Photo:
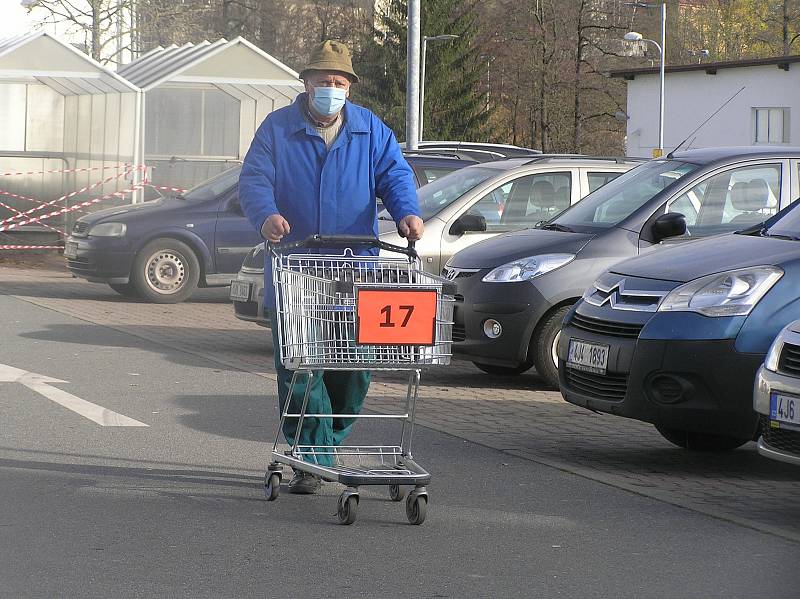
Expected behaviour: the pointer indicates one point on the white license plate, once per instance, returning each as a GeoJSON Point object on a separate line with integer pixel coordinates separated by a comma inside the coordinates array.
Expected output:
{"type": "Point", "coordinates": [240, 291]}
{"type": "Point", "coordinates": [784, 408]}
{"type": "Point", "coordinates": [589, 357]}
{"type": "Point", "coordinates": [70, 249]}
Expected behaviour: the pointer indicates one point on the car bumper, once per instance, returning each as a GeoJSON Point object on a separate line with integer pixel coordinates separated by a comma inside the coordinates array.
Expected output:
{"type": "Point", "coordinates": [251, 309]}
{"type": "Point", "coordinates": [701, 385]}
{"type": "Point", "coordinates": [777, 441]}
{"type": "Point", "coordinates": [99, 259]}
{"type": "Point", "coordinates": [515, 307]}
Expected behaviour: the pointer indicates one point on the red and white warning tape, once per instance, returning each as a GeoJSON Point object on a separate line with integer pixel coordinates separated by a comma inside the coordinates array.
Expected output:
{"type": "Point", "coordinates": [130, 167]}
{"type": "Point", "coordinates": [69, 209]}
{"type": "Point", "coordinates": [30, 247]}
{"type": "Point", "coordinates": [12, 209]}
{"type": "Point", "coordinates": [61, 199]}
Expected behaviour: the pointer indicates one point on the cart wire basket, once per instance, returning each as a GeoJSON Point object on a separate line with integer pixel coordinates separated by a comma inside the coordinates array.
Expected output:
{"type": "Point", "coordinates": [345, 311]}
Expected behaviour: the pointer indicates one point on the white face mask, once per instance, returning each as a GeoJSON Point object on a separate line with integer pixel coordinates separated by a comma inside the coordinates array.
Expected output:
{"type": "Point", "coordinates": [327, 101]}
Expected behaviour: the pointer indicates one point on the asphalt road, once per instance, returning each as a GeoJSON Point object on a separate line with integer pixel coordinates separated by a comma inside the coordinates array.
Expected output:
{"type": "Point", "coordinates": [176, 509]}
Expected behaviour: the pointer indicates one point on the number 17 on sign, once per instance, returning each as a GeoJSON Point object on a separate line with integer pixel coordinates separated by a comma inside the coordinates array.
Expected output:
{"type": "Point", "coordinates": [396, 317]}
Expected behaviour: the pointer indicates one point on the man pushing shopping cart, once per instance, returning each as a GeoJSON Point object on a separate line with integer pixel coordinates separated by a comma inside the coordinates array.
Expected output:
{"type": "Point", "coordinates": [316, 167]}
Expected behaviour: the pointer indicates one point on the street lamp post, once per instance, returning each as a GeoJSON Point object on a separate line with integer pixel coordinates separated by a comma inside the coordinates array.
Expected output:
{"type": "Point", "coordinates": [425, 40]}
{"type": "Point", "coordinates": [633, 36]}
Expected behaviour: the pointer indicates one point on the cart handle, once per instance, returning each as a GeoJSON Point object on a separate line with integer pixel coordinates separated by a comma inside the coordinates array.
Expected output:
{"type": "Point", "coordinates": [318, 241]}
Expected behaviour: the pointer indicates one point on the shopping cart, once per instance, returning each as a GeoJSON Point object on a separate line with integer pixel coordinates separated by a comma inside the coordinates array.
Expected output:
{"type": "Point", "coordinates": [355, 312]}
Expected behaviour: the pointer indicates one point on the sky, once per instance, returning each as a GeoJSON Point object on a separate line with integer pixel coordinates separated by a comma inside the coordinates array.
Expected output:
{"type": "Point", "coordinates": [14, 19]}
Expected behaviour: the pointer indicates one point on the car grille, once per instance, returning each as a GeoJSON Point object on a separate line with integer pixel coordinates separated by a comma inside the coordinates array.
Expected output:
{"type": "Point", "coordinates": [789, 362]}
{"type": "Point", "coordinates": [459, 332]}
{"type": "Point", "coordinates": [611, 387]}
{"type": "Point", "coordinates": [780, 438]}
{"type": "Point", "coordinates": [605, 327]}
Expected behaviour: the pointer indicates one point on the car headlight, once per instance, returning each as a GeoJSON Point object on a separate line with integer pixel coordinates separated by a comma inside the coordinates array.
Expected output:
{"type": "Point", "coordinates": [108, 230]}
{"type": "Point", "coordinates": [774, 353]}
{"type": "Point", "coordinates": [526, 269]}
{"type": "Point", "coordinates": [732, 293]}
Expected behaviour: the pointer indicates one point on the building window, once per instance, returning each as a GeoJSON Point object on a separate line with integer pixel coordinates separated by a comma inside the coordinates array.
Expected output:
{"type": "Point", "coordinates": [771, 125]}
{"type": "Point", "coordinates": [191, 122]}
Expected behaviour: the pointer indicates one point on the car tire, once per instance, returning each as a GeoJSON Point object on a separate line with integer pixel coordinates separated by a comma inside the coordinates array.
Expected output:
{"type": "Point", "coordinates": [545, 343]}
{"type": "Point", "coordinates": [126, 289]}
{"type": "Point", "coordinates": [165, 271]}
{"type": "Point", "coordinates": [504, 370]}
{"type": "Point", "coordinates": [700, 441]}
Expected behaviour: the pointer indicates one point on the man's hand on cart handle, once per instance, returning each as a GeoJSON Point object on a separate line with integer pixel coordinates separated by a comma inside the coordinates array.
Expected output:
{"type": "Point", "coordinates": [411, 227]}
{"type": "Point", "coordinates": [274, 228]}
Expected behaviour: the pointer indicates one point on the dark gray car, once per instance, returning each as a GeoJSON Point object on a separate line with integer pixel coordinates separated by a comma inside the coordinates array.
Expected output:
{"type": "Point", "coordinates": [514, 290]}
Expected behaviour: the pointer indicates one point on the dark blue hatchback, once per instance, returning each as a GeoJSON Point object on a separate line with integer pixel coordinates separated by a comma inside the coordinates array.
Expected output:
{"type": "Point", "coordinates": [162, 250]}
{"type": "Point", "coordinates": [675, 337]}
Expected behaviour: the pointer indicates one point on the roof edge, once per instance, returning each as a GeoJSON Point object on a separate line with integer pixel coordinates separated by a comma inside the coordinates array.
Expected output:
{"type": "Point", "coordinates": [782, 62]}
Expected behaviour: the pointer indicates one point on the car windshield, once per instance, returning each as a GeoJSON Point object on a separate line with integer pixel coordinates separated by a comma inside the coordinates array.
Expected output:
{"type": "Point", "coordinates": [616, 201]}
{"type": "Point", "coordinates": [439, 194]}
{"type": "Point", "coordinates": [211, 188]}
{"type": "Point", "coordinates": [785, 224]}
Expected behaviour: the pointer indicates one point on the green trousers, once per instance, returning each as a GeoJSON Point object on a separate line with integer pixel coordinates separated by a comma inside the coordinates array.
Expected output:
{"type": "Point", "coordinates": [332, 392]}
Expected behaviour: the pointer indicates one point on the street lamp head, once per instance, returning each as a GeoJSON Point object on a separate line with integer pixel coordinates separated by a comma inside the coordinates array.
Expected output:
{"type": "Point", "coordinates": [632, 36]}
{"type": "Point", "coordinates": [447, 36]}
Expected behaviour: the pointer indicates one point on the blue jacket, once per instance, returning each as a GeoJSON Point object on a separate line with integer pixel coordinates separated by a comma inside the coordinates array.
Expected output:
{"type": "Point", "coordinates": [289, 171]}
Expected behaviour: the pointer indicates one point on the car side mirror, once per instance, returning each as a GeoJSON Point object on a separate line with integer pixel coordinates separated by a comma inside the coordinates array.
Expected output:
{"type": "Point", "coordinates": [234, 207]}
{"type": "Point", "coordinates": [468, 222]}
{"type": "Point", "coordinates": [671, 224]}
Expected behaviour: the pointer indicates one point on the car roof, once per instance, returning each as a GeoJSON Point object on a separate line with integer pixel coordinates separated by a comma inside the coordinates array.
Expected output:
{"type": "Point", "coordinates": [708, 155]}
{"type": "Point", "coordinates": [560, 160]}
{"type": "Point", "coordinates": [438, 159]}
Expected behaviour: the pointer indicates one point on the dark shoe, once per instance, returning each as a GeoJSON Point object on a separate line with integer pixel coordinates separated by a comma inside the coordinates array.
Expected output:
{"type": "Point", "coordinates": [304, 483]}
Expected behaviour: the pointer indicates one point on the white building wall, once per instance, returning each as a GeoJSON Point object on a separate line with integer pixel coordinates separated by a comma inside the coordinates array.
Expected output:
{"type": "Point", "coordinates": [691, 97]}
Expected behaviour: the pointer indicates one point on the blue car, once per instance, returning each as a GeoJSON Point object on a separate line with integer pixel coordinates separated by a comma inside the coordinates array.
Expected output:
{"type": "Point", "coordinates": [162, 250]}
{"type": "Point", "coordinates": [675, 337]}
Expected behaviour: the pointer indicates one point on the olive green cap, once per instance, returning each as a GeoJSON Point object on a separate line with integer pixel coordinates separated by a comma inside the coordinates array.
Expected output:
{"type": "Point", "coordinates": [330, 55]}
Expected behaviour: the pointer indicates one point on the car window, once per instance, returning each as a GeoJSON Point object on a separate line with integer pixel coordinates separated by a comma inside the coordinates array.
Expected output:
{"type": "Point", "coordinates": [431, 173]}
{"type": "Point", "coordinates": [597, 179]}
{"type": "Point", "coordinates": [623, 196]}
{"type": "Point", "coordinates": [525, 201]}
{"type": "Point", "coordinates": [732, 200]}
{"type": "Point", "coordinates": [215, 186]}
{"type": "Point", "coordinates": [438, 195]}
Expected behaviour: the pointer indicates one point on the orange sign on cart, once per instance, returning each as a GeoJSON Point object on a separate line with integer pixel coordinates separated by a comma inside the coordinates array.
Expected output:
{"type": "Point", "coordinates": [396, 317]}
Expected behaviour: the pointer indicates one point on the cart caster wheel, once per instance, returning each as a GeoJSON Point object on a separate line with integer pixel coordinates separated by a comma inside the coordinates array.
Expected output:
{"type": "Point", "coordinates": [272, 486]}
{"type": "Point", "coordinates": [396, 492]}
{"type": "Point", "coordinates": [348, 506]}
{"type": "Point", "coordinates": [416, 508]}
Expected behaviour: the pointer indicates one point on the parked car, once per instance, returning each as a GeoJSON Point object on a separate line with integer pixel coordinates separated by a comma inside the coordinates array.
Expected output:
{"type": "Point", "coordinates": [163, 249]}
{"type": "Point", "coordinates": [777, 397]}
{"type": "Point", "coordinates": [463, 208]}
{"type": "Point", "coordinates": [482, 152]}
{"type": "Point", "coordinates": [675, 337]}
{"type": "Point", "coordinates": [514, 290]}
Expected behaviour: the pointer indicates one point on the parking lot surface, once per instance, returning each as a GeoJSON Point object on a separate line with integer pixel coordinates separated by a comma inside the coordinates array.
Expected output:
{"type": "Point", "coordinates": [515, 415]}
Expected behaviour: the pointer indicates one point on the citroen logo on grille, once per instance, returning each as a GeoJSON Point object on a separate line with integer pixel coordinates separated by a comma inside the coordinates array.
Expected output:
{"type": "Point", "coordinates": [620, 298]}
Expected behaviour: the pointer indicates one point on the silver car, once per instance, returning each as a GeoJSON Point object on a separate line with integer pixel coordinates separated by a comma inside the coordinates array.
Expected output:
{"type": "Point", "coordinates": [481, 201]}
{"type": "Point", "coordinates": [467, 206]}
{"type": "Point", "coordinates": [777, 397]}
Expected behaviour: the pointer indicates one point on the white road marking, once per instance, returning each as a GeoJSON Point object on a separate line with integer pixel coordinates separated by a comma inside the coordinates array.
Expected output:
{"type": "Point", "coordinates": [41, 384]}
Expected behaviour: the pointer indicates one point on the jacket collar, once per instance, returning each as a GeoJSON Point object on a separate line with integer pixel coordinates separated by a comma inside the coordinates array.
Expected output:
{"type": "Point", "coordinates": [354, 122]}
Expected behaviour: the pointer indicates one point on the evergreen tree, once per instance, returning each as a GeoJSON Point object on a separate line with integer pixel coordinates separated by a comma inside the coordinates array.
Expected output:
{"type": "Point", "coordinates": [455, 78]}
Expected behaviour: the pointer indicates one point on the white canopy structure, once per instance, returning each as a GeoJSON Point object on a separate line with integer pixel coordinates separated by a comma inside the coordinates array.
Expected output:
{"type": "Point", "coordinates": [203, 103]}
{"type": "Point", "coordinates": [67, 123]}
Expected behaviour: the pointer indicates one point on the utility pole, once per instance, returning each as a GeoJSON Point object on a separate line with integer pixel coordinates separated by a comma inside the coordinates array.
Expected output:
{"type": "Point", "coordinates": [412, 76]}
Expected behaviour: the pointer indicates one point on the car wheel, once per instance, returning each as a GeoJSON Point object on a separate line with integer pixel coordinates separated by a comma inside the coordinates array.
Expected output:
{"type": "Point", "coordinates": [126, 289]}
{"type": "Point", "coordinates": [545, 345]}
{"type": "Point", "coordinates": [700, 441]}
{"type": "Point", "coordinates": [165, 271]}
{"type": "Point", "coordinates": [504, 370]}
